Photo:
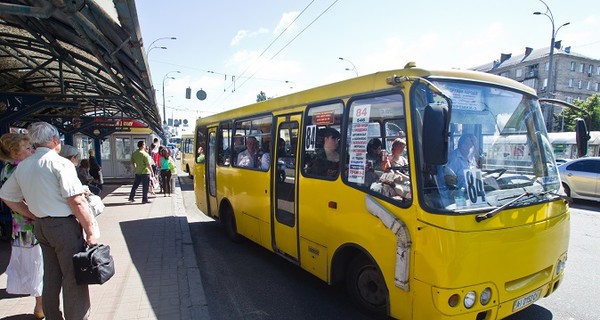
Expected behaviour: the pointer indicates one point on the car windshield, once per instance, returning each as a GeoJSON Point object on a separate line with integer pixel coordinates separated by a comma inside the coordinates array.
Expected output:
{"type": "Point", "coordinates": [498, 150]}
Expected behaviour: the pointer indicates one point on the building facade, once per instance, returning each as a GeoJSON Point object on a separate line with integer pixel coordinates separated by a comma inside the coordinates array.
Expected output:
{"type": "Point", "coordinates": [574, 76]}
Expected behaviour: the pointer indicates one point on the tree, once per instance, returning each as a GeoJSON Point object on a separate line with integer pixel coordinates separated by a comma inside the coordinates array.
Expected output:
{"type": "Point", "coordinates": [261, 97]}
{"type": "Point", "coordinates": [589, 111]}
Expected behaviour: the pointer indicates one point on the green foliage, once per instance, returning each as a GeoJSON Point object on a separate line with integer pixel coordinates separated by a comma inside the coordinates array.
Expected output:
{"type": "Point", "coordinates": [590, 112]}
{"type": "Point", "coordinates": [261, 97]}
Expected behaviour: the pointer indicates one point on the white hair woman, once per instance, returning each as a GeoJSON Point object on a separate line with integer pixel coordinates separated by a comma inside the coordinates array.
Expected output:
{"type": "Point", "coordinates": [25, 269]}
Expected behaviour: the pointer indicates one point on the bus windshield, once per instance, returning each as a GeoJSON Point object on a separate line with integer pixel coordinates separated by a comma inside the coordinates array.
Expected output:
{"type": "Point", "coordinates": [498, 150]}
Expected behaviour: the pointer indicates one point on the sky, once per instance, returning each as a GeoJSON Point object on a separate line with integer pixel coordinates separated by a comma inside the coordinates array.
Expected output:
{"type": "Point", "coordinates": [233, 50]}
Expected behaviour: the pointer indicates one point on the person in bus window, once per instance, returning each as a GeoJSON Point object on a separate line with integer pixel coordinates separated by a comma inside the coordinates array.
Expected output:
{"type": "Point", "coordinates": [247, 158]}
{"type": "Point", "coordinates": [280, 162]}
{"type": "Point", "coordinates": [238, 146]}
{"type": "Point", "coordinates": [326, 162]}
{"type": "Point", "coordinates": [374, 165]}
{"type": "Point", "coordinates": [375, 154]}
{"type": "Point", "coordinates": [281, 148]}
{"type": "Point", "coordinates": [265, 159]}
{"type": "Point", "coordinates": [201, 157]}
{"type": "Point", "coordinates": [396, 167]}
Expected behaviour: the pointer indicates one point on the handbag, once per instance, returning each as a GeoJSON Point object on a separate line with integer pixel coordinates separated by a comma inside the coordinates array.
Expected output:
{"type": "Point", "coordinates": [96, 205]}
{"type": "Point", "coordinates": [95, 265]}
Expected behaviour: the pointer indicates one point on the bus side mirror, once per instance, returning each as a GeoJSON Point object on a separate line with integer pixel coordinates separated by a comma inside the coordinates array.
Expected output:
{"type": "Point", "coordinates": [581, 136]}
{"type": "Point", "coordinates": [436, 122]}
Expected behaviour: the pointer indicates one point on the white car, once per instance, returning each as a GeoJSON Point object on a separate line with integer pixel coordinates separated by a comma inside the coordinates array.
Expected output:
{"type": "Point", "coordinates": [581, 178]}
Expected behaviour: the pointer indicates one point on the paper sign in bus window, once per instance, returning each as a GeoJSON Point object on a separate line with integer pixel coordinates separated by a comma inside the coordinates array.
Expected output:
{"type": "Point", "coordinates": [310, 141]}
{"type": "Point", "coordinates": [358, 143]}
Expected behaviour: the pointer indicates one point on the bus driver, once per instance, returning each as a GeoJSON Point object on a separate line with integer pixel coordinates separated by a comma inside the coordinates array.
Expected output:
{"type": "Point", "coordinates": [463, 157]}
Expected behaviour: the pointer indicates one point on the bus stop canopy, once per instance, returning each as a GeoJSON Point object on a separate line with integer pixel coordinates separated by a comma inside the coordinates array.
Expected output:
{"type": "Point", "coordinates": [78, 64]}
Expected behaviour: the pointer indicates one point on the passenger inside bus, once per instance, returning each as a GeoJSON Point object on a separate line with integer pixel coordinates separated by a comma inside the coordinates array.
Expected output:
{"type": "Point", "coordinates": [201, 157]}
{"type": "Point", "coordinates": [395, 181]}
{"type": "Point", "coordinates": [238, 146]}
{"type": "Point", "coordinates": [265, 158]}
{"type": "Point", "coordinates": [327, 159]}
{"type": "Point", "coordinates": [281, 148]}
{"type": "Point", "coordinates": [248, 158]}
{"type": "Point", "coordinates": [375, 154]}
{"type": "Point", "coordinates": [375, 159]}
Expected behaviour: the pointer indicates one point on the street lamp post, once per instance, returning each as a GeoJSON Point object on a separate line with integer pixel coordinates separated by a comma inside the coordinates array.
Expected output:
{"type": "Point", "coordinates": [152, 46]}
{"type": "Point", "coordinates": [548, 14]}
{"type": "Point", "coordinates": [163, 95]}
{"type": "Point", "coordinates": [353, 66]}
{"type": "Point", "coordinates": [155, 47]}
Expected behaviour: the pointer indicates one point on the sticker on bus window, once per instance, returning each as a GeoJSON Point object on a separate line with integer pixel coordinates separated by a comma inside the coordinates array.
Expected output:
{"type": "Point", "coordinates": [310, 141]}
{"type": "Point", "coordinates": [358, 143]}
{"type": "Point", "coordinates": [474, 187]}
{"type": "Point", "coordinates": [466, 98]}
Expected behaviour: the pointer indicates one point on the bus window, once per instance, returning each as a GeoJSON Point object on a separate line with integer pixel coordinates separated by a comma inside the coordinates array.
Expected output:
{"type": "Point", "coordinates": [322, 141]}
{"type": "Point", "coordinates": [224, 152]}
{"type": "Point", "coordinates": [376, 144]}
{"type": "Point", "coordinates": [256, 137]}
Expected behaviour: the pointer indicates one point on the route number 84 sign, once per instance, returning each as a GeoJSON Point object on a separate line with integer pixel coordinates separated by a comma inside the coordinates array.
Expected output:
{"type": "Point", "coordinates": [475, 192]}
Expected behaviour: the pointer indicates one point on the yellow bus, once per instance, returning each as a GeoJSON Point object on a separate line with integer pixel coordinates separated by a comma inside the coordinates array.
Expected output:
{"type": "Point", "coordinates": [307, 176]}
{"type": "Point", "coordinates": [187, 153]}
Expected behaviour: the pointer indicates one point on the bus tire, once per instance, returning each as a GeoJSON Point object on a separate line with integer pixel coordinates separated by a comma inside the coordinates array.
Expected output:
{"type": "Point", "coordinates": [228, 220]}
{"type": "Point", "coordinates": [366, 286]}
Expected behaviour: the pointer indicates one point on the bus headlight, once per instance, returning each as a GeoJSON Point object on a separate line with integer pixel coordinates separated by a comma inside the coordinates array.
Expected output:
{"type": "Point", "coordinates": [469, 300]}
{"type": "Point", "coordinates": [486, 295]}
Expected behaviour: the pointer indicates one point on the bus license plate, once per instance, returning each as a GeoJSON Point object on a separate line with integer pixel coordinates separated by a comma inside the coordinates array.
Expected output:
{"type": "Point", "coordinates": [527, 300]}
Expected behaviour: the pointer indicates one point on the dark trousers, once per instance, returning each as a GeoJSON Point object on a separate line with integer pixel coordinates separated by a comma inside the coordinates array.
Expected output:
{"type": "Point", "coordinates": [60, 239]}
{"type": "Point", "coordinates": [145, 180]}
{"type": "Point", "coordinates": [165, 181]}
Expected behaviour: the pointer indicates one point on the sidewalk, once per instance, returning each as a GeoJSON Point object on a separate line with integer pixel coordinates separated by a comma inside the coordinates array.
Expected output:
{"type": "Point", "coordinates": [156, 272]}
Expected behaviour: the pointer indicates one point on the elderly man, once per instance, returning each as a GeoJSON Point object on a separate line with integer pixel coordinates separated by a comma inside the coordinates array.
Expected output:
{"type": "Point", "coordinates": [56, 199]}
{"type": "Point", "coordinates": [247, 158]}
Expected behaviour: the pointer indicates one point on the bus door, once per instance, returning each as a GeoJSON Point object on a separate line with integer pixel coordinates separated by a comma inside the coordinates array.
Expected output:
{"type": "Point", "coordinates": [211, 173]}
{"type": "Point", "coordinates": [284, 216]}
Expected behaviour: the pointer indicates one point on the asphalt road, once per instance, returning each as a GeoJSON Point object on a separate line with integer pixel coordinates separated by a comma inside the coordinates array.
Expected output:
{"type": "Point", "coordinates": [246, 281]}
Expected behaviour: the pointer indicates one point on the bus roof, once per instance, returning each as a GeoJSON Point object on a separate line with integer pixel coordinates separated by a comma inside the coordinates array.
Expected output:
{"type": "Point", "coordinates": [363, 84]}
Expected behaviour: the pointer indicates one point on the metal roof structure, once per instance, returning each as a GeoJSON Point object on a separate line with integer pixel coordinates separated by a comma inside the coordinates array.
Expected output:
{"type": "Point", "coordinates": [78, 64]}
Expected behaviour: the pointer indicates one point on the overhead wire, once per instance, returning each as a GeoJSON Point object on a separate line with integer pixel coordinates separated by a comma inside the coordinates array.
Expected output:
{"type": "Point", "coordinates": [292, 40]}
{"type": "Point", "coordinates": [280, 50]}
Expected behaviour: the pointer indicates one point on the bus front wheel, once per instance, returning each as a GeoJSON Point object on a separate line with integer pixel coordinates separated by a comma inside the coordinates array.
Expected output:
{"type": "Point", "coordinates": [366, 286]}
{"type": "Point", "coordinates": [228, 220]}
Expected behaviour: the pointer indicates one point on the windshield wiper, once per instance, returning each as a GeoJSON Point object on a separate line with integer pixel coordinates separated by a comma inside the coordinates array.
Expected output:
{"type": "Point", "coordinates": [481, 217]}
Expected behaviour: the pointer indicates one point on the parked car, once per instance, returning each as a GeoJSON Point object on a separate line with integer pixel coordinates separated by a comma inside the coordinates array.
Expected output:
{"type": "Point", "coordinates": [581, 178]}
{"type": "Point", "coordinates": [561, 161]}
